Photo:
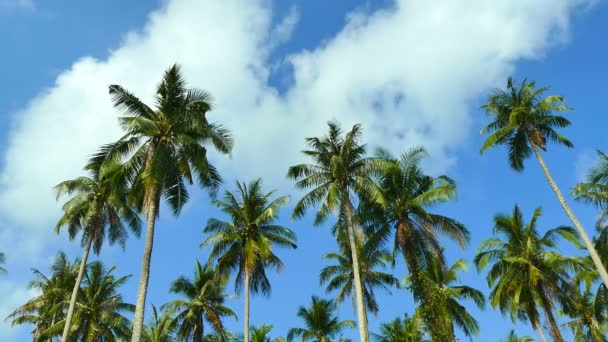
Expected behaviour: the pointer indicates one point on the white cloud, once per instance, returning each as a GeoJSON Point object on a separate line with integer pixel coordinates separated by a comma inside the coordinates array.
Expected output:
{"type": "Point", "coordinates": [408, 73]}
{"type": "Point", "coordinates": [586, 159]}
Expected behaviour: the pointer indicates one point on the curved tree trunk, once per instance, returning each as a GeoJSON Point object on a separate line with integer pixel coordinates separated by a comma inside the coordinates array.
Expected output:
{"type": "Point", "coordinates": [361, 314]}
{"type": "Point", "coordinates": [246, 327]}
{"type": "Point", "coordinates": [581, 231]}
{"type": "Point", "coordinates": [539, 330]}
{"type": "Point", "coordinates": [83, 264]}
{"type": "Point", "coordinates": [556, 335]}
{"type": "Point", "coordinates": [140, 305]}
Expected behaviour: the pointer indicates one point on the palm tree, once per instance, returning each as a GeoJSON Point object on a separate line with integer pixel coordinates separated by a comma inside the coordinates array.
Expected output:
{"type": "Point", "coordinates": [595, 190]}
{"type": "Point", "coordinates": [446, 295]}
{"type": "Point", "coordinates": [524, 121]}
{"type": "Point", "coordinates": [245, 243]}
{"type": "Point", "coordinates": [339, 275]}
{"type": "Point", "coordinates": [97, 208]}
{"type": "Point", "coordinates": [204, 301]}
{"type": "Point", "coordinates": [527, 273]}
{"type": "Point", "coordinates": [2, 261]}
{"type": "Point", "coordinates": [165, 149]}
{"type": "Point", "coordinates": [321, 322]}
{"type": "Point", "coordinates": [46, 310]}
{"type": "Point", "coordinates": [410, 195]}
{"type": "Point", "coordinates": [161, 327]}
{"type": "Point", "coordinates": [512, 337]}
{"type": "Point", "coordinates": [589, 317]}
{"type": "Point", "coordinates": [99, 309]}
{"type": "Point", "coordinates": [261, 334]}
{"type": "Point", "coordinates": [339, 173]}
{"type": "Point", "coordinates": [408, 329]}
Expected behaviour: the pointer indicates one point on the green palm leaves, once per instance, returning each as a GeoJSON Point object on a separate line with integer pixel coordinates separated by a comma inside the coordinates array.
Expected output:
{"type": "Point", "coordinates": [245, 243]}
{"type": "Point", "coordinates": [2, 261]}
{"type": "Point", "coordinates": [320, 321]}
{"type": "Point", "coordinates": [408, 329]}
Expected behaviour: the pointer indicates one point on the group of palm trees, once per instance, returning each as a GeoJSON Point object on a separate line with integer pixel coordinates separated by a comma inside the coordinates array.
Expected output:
{"type": "Point", "coordinates": [375, 198]}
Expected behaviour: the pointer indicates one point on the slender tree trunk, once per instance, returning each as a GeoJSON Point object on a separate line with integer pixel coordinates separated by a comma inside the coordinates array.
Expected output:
{"type": "Point", "coordinates": [140, 305]}
{"type": "Point", "coordinates": [581, 231]}
{"type": "Point", "coordinates": [556, 335]}
{"type": "Point", "coordinates": [83, 264]}
{"type": "Point", "coordinates": [199, 332]}
{"type": "Point", "coordinates": [539, 330]}
{"type": "Point", "coordinates": [246, 327]}
{"type": "Point", "coordinates": [348, 215]}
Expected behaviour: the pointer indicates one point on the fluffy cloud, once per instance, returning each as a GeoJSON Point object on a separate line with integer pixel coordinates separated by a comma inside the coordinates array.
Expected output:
{"type": "Point", "coordinates": [408, 73]}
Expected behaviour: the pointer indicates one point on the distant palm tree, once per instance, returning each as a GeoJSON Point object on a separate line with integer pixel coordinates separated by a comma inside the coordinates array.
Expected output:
{"type": "Point", "coordinates": [46, 310]}
{"type": "Point", "coordinates": [165, 150]}
{"type": "Point", "coordinates": [2, 261]}
{"type": "Point", "coordinates": [514, 338]}
{"type": "Point", "coordinates": [161, 326]}
{"type": "Point", "coordinates": [408, 329]}
{"type": "Point", "coordinates": [524, 121]}
{"type": "Point", "coordinates": [261, 334]}
{"type": "Point", "coordinates": [97, 208]}
{"type": "Point", "coordinates": [204, 301]}
{"type": "Point", "coordinates": [589, 317]}
{"type": "Point", "coordinates": [322, 324]}
{"type": "Point", "coordinates": [245, 243]}
{"type": "Point", "coordinates": [595, 190]}
{"type": "Point", "coordinates": [340, 173]}
{"type": "Point", "coordinates": [446, 295]}
{"type": "Point", "coordinates": [527, 274]}
{"type": "Point", "coordinates": [100, 308]}
{"type": "Point", "coordinates": [372, 259]}
{"type": "Point", "coordinates": [410, 196]}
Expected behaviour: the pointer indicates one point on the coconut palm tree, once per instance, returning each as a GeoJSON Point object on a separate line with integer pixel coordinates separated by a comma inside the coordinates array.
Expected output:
{"type": "Point", "coordinates": [46, 310]}
{"type": "Point", "coordinates": [339, 174]}
{"type": "Point", "coordinates": [408, 329]}
{"type": "Point", "coordinates": [165, 149]}
{"type": "Point", "coordinates": [588, 317]}
{"type": "Point", "coordinates": [2, 261]}
{"type": "Point", "coordinates": [100, 307]}
{"type": "Point", "coordinates": [97, 208]}
{"type": "Point", "coordinates": [410, 196]}
{"type": "Point", "coordinates": [446, 294]}
{"type": "Point", "coordinates": [527, 274]}
{"type": "Point", "coordinates": [524, 120]}
{"type": "Point", "coordinates": [261, 334]}
{"type": "Point", "coordinates": [321, 322]}
{"type": "Point", "coordinates": [245, 243]}
{"type": "Point", "coordinates": [372, 260]}
{"type": "Point", "coordinates": [161, 326]}
{"type": "Point", "coordinates": [595, 190]}
{"type": "Point", "coordinates": [204, 301]}
{"type": "Point", "coordinates": [512, 337]}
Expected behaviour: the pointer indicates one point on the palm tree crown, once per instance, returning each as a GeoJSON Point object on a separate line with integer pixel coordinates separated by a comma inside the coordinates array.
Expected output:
{"type": "Point", "coordinates": [320, 320]}
{"type": "Point", "coordinates": [408, 329]}
{"type": "Point", "coordinates": [161, 326]}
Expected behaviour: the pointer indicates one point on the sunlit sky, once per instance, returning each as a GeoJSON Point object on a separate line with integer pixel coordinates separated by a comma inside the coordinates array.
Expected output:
{"type": "Point", "coordinates": [413, 72]}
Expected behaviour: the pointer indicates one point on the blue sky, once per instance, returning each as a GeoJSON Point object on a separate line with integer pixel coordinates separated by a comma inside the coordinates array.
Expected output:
{"type": "Point", "coordinates": [279, 70]}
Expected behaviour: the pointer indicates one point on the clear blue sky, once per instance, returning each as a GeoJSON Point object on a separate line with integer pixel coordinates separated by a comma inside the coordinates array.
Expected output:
{"type": "Point", "coordinates": [43, 40]}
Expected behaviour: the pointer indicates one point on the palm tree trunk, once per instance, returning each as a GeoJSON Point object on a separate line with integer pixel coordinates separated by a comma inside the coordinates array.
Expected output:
{"type": "Point", "coordinates": [554, 331]}
{"type": "Point", "coordinates": [83, 263]}
{"type": "Point", "coordinates": [539, 330]}
{"type": "Point", "coordinates": [246, 327]}
{"type": "Point", "coordinates": [581, 231]}
{"type": "Point", "coordinates": [140, 305]}
{"type": "Point", "coordinates": [348, 215]}
{"type": "Point", "coordinates": [199, 333]}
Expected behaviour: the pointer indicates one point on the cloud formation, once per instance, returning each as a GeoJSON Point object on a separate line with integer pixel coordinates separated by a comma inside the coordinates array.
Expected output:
{"type": "Point", "coordinates": [408, 73]}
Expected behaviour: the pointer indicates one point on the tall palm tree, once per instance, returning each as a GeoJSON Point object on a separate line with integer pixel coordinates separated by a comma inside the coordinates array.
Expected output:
{"type": "Point", "coordinates": [340, 172]}
{"type": "Point", "coordinates": [446, 294]}
{"type": "Point", "coordinates": [100, 307]}
{"type": "Point", "coordinates": [2, 261]}
{"type": "Point", "coordinates": [245, 243]}
{"type": "Point", "coordinates": [524, 120]}
{"type": "Point", "coordinates": [372, 259]}
{"type": "Point", "coordinates": [204, 301]}
{"type": "Point", "coordinates": [408, 329]}
{"type": "Point", "coordinates": [46, 310]}
{"type": "Point", "coordinates": [527, 274]}
{"type": "Point", "coordinates": [321, 322]}
{"type": "Point", "coordinates": [161, 326]}
{"type": "Point", "coordinates": [410, 196]}
{"type": "Point", "coordinates": [512, 337]}
{"type": "Point", "coordinates": [97, 208]}
{"type": "Point", "coordinates": [164, 150]}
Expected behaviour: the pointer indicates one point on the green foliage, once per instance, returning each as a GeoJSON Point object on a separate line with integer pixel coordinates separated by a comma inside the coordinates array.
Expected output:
{"type": "Point", "coordinates": [2, 261]}
{"type": "Point", "coordinates": [321, 323]}
{"type": "Point", "coordinates": [595, 190]}
{"type": "Point", "coordinates": [523, 119]}
{"type": "Point", "coordinates": [402, 330]}
{"type": "Point", "coordinates": [512, 337]}
{"type": "Point", "coordinates": [161, 326]}
{"type": "Point", "coordinates": [203, 301]}
{"type": "Point", "coordinates": [245, 242]}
